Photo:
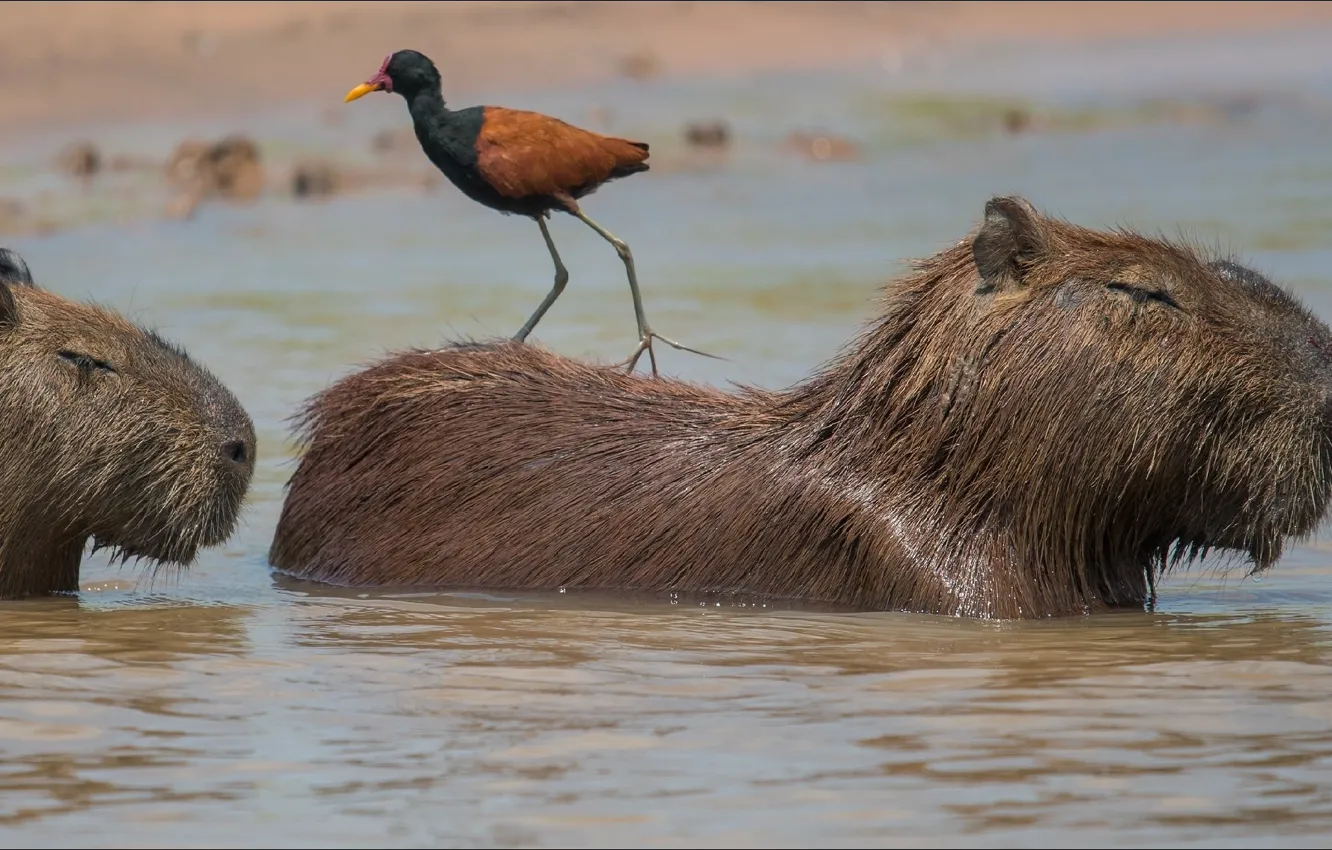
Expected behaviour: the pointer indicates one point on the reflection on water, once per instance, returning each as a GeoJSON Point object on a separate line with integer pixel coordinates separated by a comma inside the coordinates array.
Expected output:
{"type": "Point", "coordinates": [227, 707]}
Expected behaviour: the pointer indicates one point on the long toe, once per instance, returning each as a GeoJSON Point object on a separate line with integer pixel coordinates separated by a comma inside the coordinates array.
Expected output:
{"type": "Point", "coordinates": [645, 347]}
{"type": "Point", "coordinates": [680, 346]}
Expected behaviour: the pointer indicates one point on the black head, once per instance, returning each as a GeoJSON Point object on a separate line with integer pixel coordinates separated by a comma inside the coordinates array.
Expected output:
{"type": "Point", "coordinates": [405, 72]}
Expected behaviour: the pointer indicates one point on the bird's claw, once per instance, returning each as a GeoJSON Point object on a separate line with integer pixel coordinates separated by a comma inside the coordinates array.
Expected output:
{"type": "Point", "coordinates": [645, 345]}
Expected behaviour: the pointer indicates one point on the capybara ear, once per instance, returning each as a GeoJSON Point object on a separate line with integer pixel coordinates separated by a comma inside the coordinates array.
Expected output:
{"type": "Point", "coordinates": [13, 272]}
{"type": "Point", "coordinates": [1013, 234]}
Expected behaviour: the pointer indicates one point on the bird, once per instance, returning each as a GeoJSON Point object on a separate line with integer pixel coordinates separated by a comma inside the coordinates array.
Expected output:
{"type": "Point", "coordinates": [518, 162]}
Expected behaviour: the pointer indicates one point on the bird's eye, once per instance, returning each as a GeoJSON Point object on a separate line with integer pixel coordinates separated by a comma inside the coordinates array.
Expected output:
{"type": "Point", "coordinates": [1142, 295]}
{"type": "Point", "coordinates": [86, 364]}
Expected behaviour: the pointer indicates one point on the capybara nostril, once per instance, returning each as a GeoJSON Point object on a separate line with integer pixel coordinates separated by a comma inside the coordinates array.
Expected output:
{"type": "Point", "coordinates": [236, 451]}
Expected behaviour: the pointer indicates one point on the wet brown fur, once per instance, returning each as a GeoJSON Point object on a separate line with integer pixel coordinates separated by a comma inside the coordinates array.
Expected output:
{"type": "Point", "coordinates": [1042, 420]}
{"type": "Point", "coordinates": [110, 434]}
{"type": "Point", "coordinates": [526, 154]}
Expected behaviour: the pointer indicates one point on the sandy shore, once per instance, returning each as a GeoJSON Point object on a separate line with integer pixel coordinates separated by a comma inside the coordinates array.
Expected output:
{"type": "Point", "coordinates": [64, 63]}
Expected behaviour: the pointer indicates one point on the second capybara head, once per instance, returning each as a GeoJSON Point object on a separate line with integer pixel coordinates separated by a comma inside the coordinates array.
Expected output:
{"type": "Point", "coordinates": [112, 435]}
{"type": "Point", "coordinates": [1104, 392]}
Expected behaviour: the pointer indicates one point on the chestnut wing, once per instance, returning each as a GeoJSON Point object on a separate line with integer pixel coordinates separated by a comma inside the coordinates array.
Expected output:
{"type": "Point", "coordinates": [524, 154]}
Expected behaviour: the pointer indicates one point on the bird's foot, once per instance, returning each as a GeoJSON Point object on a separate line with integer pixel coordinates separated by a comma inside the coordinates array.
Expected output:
{"type": "Point", "coordinates": [645, 346]}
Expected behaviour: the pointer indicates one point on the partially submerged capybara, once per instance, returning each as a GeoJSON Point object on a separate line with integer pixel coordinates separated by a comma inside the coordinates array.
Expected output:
{"type": "Point", "coordinates": [1042, 420]}
{"type": "Point", "coordinates": [110, 434]}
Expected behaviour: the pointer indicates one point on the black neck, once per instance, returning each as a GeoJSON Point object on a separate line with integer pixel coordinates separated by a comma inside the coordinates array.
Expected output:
{"type": "Point", "coordinates": [427, 105]}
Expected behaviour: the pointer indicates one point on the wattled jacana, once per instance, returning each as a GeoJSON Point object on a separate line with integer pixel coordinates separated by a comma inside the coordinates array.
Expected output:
{"type": "Point", "coordinates": [519, 162]}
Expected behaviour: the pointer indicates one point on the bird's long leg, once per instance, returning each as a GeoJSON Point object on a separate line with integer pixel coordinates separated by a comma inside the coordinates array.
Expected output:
{"type": "Point", "coordinates": [645, 332]}
{"type": "Point", "coordinates": [561, 278]}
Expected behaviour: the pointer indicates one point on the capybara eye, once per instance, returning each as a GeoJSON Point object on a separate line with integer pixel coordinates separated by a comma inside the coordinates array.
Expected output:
{"type": "Point", "coordinates": [1141, 295]}
{"type": "Point", "coordinates": [86, 363]}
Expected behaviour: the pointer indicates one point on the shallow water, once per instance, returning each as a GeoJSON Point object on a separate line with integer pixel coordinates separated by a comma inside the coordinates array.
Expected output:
{"type": "Point", "coordinates": [225, 706]}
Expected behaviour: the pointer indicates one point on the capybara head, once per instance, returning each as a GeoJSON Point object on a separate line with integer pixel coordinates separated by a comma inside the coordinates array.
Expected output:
{"type": "Point", "coordinates": [1103, 395]}
{"type": "Point", "coordinates": [111, 434]}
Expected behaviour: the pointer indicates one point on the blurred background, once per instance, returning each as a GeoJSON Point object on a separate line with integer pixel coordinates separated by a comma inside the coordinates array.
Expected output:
{"type": "Point", "coordinates": [193, 165]}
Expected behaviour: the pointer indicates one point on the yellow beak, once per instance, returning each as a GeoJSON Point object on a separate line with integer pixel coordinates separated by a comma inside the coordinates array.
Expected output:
{"type": "Point", "coordinates": [361, 91]}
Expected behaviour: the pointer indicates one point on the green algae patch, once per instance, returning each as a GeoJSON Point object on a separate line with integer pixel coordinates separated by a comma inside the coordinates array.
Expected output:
{"type": "Point", "coordinates": [918, 118]}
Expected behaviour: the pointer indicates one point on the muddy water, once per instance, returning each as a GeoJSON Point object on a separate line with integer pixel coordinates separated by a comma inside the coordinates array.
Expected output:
{"type": "Point", "coordinates": [227, 707]}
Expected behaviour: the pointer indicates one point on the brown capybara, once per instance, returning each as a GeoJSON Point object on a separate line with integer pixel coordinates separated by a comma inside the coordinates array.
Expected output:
{"type": "Point", "coordinates": [1041, 421]}
{"type": "Point", "coordinates": [111, 435]}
